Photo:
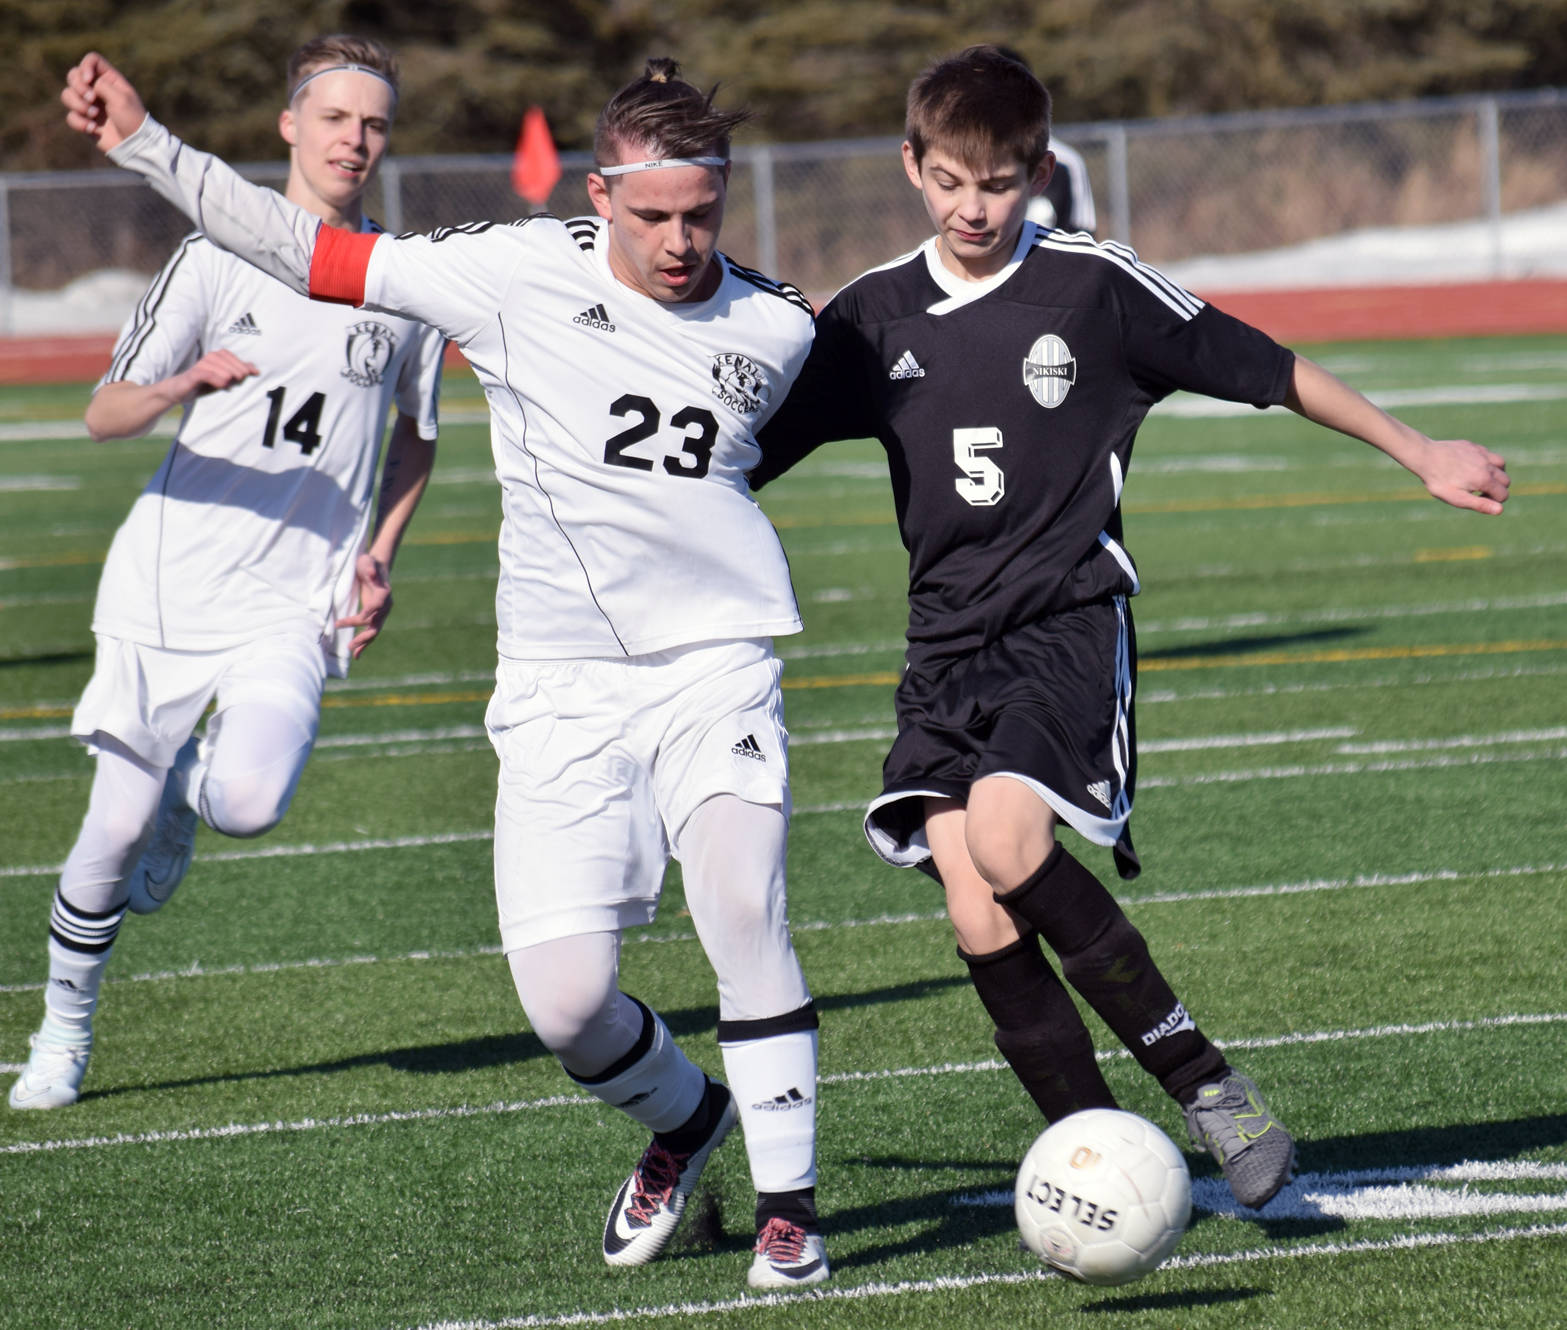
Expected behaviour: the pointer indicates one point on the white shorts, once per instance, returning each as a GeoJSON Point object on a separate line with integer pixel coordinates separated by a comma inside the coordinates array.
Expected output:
{"type": "Point", "coordinates": [602, 761]}
{"type": "Point", "coordinates": [152, 699]}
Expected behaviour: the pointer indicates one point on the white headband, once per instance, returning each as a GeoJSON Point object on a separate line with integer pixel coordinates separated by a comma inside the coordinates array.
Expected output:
{"type": "Point", "coordinates": [626, 168]}
{"type": "Point", "coordinates": [342, 69]}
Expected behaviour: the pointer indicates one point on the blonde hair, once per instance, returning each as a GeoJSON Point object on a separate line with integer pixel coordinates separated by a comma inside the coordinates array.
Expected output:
{"type": "Point", "coordinates": [340, 49]}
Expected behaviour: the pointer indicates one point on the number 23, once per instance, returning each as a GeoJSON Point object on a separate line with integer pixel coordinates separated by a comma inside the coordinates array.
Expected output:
{"type": "Point", "coordinates": [696, 442]}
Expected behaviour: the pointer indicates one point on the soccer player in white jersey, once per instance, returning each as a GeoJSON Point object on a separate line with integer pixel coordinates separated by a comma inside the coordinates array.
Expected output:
{"type": "Point", "coordinates": [637, 713]}
{"type": "Point", "coordinates": [243, 571]}
{"type": "Point", "coordinates": [1005, 368]}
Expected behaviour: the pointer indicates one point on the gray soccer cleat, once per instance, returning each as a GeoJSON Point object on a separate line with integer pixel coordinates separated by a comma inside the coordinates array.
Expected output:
{"type": "Point", "coordinates": [1231, 1121]}
{"type": "Point", "coordinates": [166, 859]}
{"type": "Point", "coordinates": [53, 1075]}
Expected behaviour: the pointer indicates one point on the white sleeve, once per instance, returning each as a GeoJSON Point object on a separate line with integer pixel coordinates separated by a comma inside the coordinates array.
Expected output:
{"type": "Point", "coordinates": [419, 387]}
{"type": "Point", "coordinates": [454, 279]}
{"type": "Point", "coordinates": [258, 224]}
{"type": "Point", "coordinates": [163, 336]}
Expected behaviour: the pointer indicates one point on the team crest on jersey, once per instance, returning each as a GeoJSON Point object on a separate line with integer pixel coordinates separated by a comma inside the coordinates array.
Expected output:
{"type": "Point", "coordinates": [1049, 370]}
{"type": "Point", "coordinates": [739, 383]}
{"type": "Point", "coordinates": [369, 352]}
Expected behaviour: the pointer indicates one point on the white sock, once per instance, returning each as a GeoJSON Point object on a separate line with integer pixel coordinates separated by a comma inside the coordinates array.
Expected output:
{"type": "Point", "coordinates": [661, 1088]}
{"type": "Point", "coordinates": [773, 1081]}
{"type": "Point", "coordinates": [71, 995]}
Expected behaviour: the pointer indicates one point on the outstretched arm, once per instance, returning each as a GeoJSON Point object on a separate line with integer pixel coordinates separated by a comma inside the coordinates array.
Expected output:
{"type": "Point", "coordinates": [1455, 471]}
{"type": "Point", "coordinates": [126, 410]}
{"type": "Point", "coordinates": [257, 224]}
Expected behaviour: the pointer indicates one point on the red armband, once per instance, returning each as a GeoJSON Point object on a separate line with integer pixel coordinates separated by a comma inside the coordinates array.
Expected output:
{"type": "Point", "coordinates": [338, 265]}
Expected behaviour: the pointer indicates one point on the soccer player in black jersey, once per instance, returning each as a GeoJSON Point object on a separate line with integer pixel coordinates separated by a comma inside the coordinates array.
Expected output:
{"type": "Point", "coordinates": [1005, 368]}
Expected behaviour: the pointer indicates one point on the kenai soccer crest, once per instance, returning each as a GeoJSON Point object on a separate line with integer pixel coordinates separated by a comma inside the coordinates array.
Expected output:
{"type": "Point", "coordinates": [369, 352]}
{"type": "Point", "coordinates": [1049, 370]}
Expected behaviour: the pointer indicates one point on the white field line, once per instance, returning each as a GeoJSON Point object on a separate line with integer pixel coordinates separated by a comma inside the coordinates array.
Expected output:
{"type": "Point", "coordinates": [1385, 1194]}
{"type": "Point", "coordinates": [1360, 882]}
{"type": "Point", "coordinates": [1303, 772]}
{"type": "Point", "coordinates": [1242, 776]}
{"type": "Point", "coordinates": [500, 1108]}
{"type": "Point", "coordinates": [1186, 406]}
{"type": "Point", "coordinates": [962, 1283]}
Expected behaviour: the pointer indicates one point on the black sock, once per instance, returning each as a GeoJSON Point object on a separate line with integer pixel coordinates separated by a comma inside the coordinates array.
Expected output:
{"type": "Point", "coordinates": [798, 1207]}
{"type": "Point", "coordinates": [694, 1131]}
{"type": "Point", "coordinates": [1106, 959]}
{"type": "Point", "coordinates": [1038, 1029]}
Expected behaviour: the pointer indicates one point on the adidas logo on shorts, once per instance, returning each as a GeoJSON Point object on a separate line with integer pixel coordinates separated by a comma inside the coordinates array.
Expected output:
{"type": "Point", "coordinates": [1100, 789]}
{"type": "Point", "coordinates": [596, 318]}
{"type": "Point", "coordinates": [748, 747]}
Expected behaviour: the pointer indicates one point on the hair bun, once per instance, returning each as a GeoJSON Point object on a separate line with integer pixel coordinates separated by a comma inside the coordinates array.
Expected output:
{"type": "Point", "coordinates": [661, 69]}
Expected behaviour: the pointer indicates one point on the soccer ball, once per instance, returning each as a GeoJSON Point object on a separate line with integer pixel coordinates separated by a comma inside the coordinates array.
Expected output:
{"type": "Point", "coordinates": [1103, 1196]}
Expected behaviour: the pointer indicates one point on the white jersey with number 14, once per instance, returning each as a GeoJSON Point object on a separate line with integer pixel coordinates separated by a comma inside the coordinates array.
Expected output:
{"type": "Point", "coordinates": [251, 525]}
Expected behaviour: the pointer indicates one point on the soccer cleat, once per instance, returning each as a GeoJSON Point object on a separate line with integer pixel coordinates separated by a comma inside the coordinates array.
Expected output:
{"type": "Point", "coordinates": [650, 1202]}
{"type": "Point", "coordinates": [53, 1075]}
{"type": "Point", "coordinates": [787, 1257]}
{"type": "Point", "coordinates": [164, 862]}
{"type": "Point", "coordinates": [1229, 1119]}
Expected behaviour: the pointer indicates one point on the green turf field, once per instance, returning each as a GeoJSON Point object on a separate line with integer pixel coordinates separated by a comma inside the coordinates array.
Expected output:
{"type": "Point", "coordinates": [314, 1103]}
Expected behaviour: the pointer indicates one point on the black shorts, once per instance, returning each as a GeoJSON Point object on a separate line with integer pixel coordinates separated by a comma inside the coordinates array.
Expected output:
{"type": "Point", "coordinates": [1049, 704]}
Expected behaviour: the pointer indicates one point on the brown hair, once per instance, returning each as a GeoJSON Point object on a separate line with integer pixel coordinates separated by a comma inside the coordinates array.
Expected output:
{"type": "Point", "coordinates": [663, 115]}
{"type": "Point", "coordinates": [340, 49]}
{"type": "Point", "coordinates": [983, 106]}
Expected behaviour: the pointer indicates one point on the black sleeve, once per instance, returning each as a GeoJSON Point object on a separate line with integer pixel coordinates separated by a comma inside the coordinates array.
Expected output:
{"type": "Point", "coordinates": [826, 403]}
{"type": "Point", "coordinates": [1173, 341]}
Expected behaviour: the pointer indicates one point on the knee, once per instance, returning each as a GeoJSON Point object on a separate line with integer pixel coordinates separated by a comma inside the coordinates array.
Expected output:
{"type": "Point", "coordinates": [244, 806]}
{"type": "Point", "coordinates": [570, 1022]}
{"type": "Point", "coordinates": [1005, 853]}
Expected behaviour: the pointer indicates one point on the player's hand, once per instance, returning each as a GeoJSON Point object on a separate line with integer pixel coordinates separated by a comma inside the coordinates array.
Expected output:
{"type": "Point", "coordinates": [375, 603]}
{"type": "Point", "coordinates": [214, 372]}
{"type": "Point", "coordinates": [101, 102]}
{"type": "Point", "coordinates": [1465, 475]}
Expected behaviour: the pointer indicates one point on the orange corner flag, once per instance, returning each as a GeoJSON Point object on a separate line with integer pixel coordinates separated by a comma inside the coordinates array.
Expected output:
{"type": "Point", "coordinates": [536, 166]}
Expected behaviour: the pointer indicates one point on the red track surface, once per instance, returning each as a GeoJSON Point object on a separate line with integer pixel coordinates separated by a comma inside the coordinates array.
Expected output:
{"type": "Point", "coordinates": [1467, 309]}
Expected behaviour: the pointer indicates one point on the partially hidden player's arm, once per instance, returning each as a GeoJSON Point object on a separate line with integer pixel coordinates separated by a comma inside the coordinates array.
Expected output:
{"type": "Point", "coordinates": [257, 224]}
{"type": "Point", "coordinates": [127, 410]}
{"type": "Point", "coordinates": [410, 458]}
{"type": "Point", "coordinates": [825, 403]}
{"type": "Point", "coordinates": [1456, 471]}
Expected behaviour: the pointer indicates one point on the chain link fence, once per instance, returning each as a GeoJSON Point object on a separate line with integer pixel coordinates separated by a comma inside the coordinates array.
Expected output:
{"type": "Point", "coordinates": [1483, 179]}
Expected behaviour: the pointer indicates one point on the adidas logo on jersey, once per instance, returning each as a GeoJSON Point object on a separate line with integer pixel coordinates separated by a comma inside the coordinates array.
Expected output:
{"type": "Point", "coordinates": [906, 368]}
{"type": "Point", "coordinates": [782, 1103]}
{"type": "Point", "coordinates": [748, 747]}
{"type": "Point", "coordinates": [246, 325]}
{"type": "Point", "coordinates": [596, 318]}
{"type": "Point", "coordinates": [1100, 790]}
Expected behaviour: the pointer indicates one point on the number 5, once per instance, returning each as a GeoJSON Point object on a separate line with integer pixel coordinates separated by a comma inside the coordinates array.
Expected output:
{"type": "Point", "coordinates": [982, 484]}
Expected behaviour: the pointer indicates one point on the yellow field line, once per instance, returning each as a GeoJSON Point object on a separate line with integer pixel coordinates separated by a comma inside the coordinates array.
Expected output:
{"type": "Point", "coordinates": [889, 678]}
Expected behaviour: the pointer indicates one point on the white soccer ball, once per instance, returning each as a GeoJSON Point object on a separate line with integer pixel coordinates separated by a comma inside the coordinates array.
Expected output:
{"type": "Point", "coordinates": [1103, 1196]}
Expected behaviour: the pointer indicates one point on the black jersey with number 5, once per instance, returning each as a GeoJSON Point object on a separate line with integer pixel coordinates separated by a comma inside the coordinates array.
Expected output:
{"type": "Point", "coordinates": [1008, 409]}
